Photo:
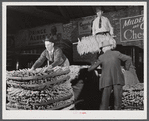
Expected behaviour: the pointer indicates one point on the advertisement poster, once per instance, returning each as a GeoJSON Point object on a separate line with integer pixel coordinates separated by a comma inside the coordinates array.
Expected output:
{"type": "Point", "coordinates": [131, 28]}
{"type": "Point", "coordinates": [35, 36]}
{"type": "Point", "coordinates": [85, 25]}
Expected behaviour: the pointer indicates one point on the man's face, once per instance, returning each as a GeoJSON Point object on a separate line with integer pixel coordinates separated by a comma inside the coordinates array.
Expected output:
{"type": "Point", "coordinates": [49, 45]}
{"type": "Point", "coordinates": [99, 13]}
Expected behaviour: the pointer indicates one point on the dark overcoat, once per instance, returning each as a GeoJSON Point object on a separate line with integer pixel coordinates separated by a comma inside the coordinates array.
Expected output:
{"type": "Point", "coordinates": [110, 62]}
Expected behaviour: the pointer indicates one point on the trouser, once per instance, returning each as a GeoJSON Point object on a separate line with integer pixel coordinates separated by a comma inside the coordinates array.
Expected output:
{"type": "Point", "coordinates": [106, 92]}
{"type": "Point", "coordinates": [77, 88]}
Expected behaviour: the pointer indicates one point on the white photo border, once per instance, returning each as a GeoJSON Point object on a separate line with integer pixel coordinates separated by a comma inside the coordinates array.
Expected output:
{"type": "Point", "coordinates": [70, 114]}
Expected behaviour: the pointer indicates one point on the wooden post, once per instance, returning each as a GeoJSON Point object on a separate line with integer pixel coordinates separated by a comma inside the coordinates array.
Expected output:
{"type": "Point", "coordinates": [133, 55]}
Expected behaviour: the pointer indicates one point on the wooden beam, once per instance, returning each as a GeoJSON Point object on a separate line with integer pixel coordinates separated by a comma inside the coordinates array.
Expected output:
{"type": "Point", "coordinates": [38, 13]}
{"type": "Point", "coordinates": [69, 9]}
{"type": "Point", "coordinates": [81, 10]}
{"type": "Point", "coordinates": [93, 10]}
{"type": "Point", "coordinates": [64, 13]}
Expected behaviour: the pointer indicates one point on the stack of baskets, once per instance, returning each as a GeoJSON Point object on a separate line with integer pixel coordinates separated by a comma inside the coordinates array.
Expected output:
{"type": "Point", "coordinates": [133, 97]}
{"type": "Point", "coordinates": [37, 90]}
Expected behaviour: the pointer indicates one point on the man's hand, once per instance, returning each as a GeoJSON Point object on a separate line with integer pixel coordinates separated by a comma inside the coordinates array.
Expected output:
{"type": "Point", "coordinates": [123, 70]}
{"type": "Point", "coordinates": [99, 67]}
{"type": "Point", "coordinates": [32, 69]}
{"type": "Point", "coordinates": [48, 68]}
{"type": "Point", "coordinates": [113, 35]}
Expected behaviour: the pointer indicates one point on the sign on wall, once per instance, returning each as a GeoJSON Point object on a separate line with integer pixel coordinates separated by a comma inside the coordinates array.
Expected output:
{"type": "Point", "coordinates": [35, 36]}
{"type": "Point", "coordinates": [85, 25]}
{"type": "Point", "coordinates": [67, 30]}
{"type": "Point", "coordinates": [131, 28]}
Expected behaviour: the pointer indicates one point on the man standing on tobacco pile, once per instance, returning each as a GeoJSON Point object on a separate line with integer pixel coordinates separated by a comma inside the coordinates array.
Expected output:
{"type": "Point", "coordinates": [102, 29]}
{"type": "Point", "coordinates": [112, 77]}
{"type": "Point", "coordinates": [101, 25]}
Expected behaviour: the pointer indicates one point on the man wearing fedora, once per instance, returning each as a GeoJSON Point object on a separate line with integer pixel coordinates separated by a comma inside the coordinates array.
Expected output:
{"type": "Point", "coordinates": [112, 77]}
{"type": "Point", "coordinates": [101, 24]}
{"type": "Point", "coordinates": [53, 54]}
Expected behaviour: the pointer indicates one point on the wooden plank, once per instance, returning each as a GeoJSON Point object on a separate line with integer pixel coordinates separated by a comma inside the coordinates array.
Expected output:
{"type": "Point", "coordinates": [38, 13]}
{"type": "Point", "coordinates": [64, 13]}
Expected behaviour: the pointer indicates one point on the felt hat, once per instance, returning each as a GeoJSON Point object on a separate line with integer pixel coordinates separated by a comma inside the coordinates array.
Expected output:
{"type": "Point", "coordinates": [99, 8]}
{"type": "Point", "coordinates": [50, 39]}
